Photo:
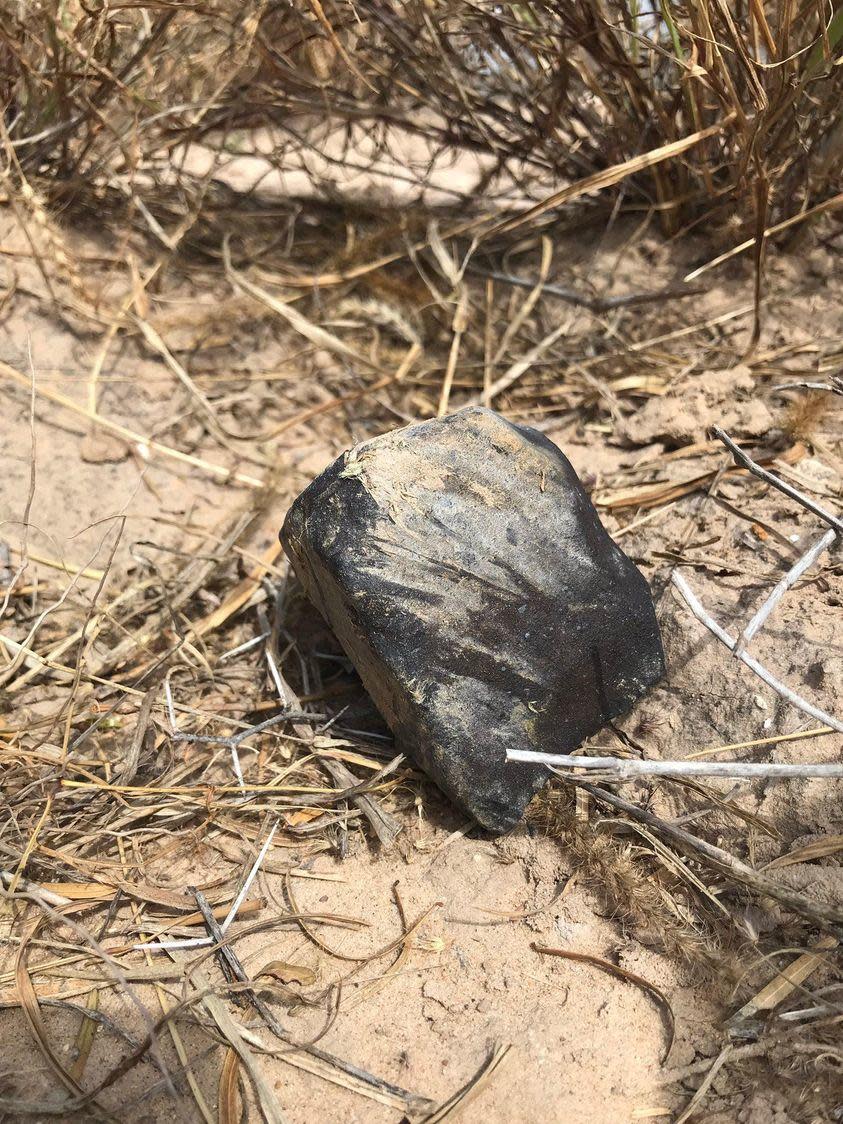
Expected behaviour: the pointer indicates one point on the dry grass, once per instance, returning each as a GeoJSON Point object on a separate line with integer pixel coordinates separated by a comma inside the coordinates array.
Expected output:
{"type": "Point", "coordinates": [719, 117]}
{"type": "Point", "coordinates": [646, 895]}
{"type": "Point", "coordinates": [555, 91]}
{"type": "Point", "coordinates": [806, 414]}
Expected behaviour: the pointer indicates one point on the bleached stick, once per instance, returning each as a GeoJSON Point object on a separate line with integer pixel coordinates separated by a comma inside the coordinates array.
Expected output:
{"type": "Point", "coordinates": [241, 897]}
{"type": "Point", "coordinates": [7, 879]}
{"type": "Point", "coordinates": [790, 579]}
{"type": "Point", "coordinates": [621, 768]}
{"type": "Point", "coordinates": [835, 386]}
{"type": "Point", "coordinates": [722, 635]}
{"type": "Point", "coordinates": [169, 946]}
{"type": "Point", "coordinates": [246, 646]}
{"type": "Point", "coordinates": [177, 734]}
{"type": "Point", "coordinates": [276, 677]}
{"type": "Point", "coordinates": [746, 461]}
{"type": "Point", "coordinates": [204, 942]}
{"type": "Point", "coordinates": [232, 741]}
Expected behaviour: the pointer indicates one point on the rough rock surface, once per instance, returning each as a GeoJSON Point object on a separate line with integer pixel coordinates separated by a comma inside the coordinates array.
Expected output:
{"type": "Point", "coordinates": [466, 573]}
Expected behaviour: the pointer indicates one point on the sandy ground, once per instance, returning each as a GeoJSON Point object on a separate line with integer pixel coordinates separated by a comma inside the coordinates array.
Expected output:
{"type": "Point", "coordinates": [584, 1047]}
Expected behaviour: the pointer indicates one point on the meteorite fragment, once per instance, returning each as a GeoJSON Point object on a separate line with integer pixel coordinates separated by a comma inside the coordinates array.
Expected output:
{"type": "Point", "coordinates": [467, 576]}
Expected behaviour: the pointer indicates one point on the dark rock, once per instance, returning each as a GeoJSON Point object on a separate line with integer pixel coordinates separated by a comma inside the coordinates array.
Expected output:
{"type": "Point", "coordinates": [466, 573]}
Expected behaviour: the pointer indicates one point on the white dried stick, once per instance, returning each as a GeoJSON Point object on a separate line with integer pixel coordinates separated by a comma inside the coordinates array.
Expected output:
{"type": "Point", "coordinates": [746, 461]}
{"type": "Point", "coordinates": [621, 768]}
{"type": "Point", "coordinates": [785, 692]}
{"type": "Point", "coordinates": [790, 579]}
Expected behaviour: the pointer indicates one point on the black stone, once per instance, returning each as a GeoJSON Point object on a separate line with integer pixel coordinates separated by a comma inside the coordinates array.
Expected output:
{"type": "Point", "coordinates": [465, 572]}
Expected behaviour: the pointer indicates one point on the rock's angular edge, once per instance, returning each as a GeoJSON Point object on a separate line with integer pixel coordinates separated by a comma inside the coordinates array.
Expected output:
{"type": "Point", "coordinates": [466, 574]}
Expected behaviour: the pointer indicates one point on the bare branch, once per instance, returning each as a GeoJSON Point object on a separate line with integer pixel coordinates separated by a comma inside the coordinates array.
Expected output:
{"type": "Point", "coordinates": [746, 461]}
{"type": "Point", "coordinates": [790, 579]}
{"type": "Point", "coordinates": [620, 768]}
{"type": "Point", "coordinates": [753, 664]}
{"type": "Point", "coordinates": [834, 386]}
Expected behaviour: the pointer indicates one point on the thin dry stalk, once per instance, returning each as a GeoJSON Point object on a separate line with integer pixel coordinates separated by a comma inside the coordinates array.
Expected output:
{"type": "Point", "coordinates": [731, 643]}
{"type": "Point", "coordinates": [616, 769]}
